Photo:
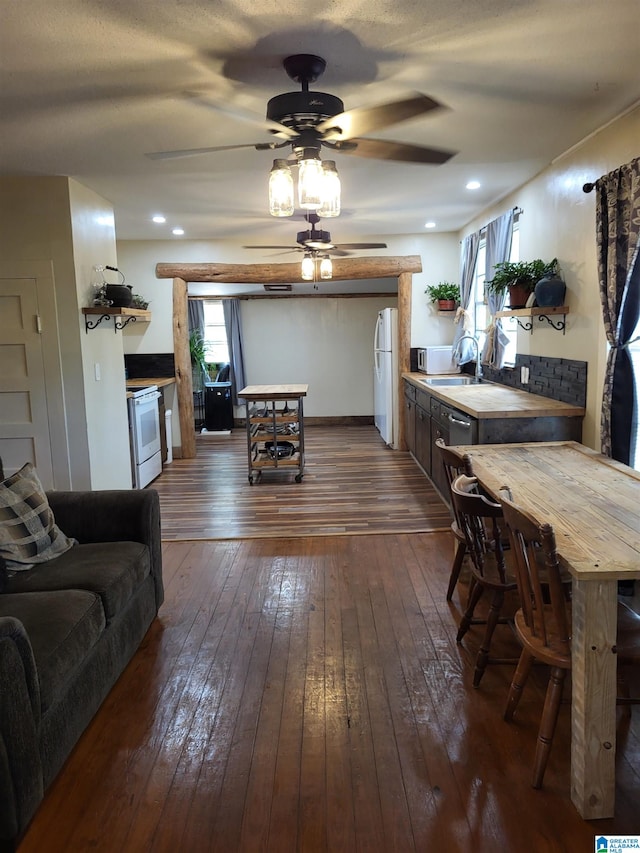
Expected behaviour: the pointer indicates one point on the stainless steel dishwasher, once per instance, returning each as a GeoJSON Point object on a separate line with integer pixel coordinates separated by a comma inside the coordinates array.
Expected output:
{"type": "Point", "coordinates": [453, 427]}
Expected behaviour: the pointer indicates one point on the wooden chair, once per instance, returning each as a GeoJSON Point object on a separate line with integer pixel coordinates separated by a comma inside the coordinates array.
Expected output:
{"type": "Point", "coordinates": [543, 623]}
{"type": "Point", "coordinates": [481, 523]}
{"type": "Point", "coordinates": [454, 465]}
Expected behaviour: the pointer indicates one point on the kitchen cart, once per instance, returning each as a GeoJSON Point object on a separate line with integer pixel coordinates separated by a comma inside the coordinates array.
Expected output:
{"type": "Point", "coordinates": [275, 428]}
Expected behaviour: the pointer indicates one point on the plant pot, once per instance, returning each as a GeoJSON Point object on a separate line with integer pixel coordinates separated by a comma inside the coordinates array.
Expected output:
{"type": "Point", "coordinates": [518, 295]}
{"type": "Point", "coordinates": [550, 291]}
{"type": "Point", "coordinates": [120, 295]}
{"type": "Point", "coordinates": [446, 305]}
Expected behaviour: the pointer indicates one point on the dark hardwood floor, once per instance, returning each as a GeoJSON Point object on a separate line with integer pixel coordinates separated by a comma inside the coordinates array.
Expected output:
{"type": "Point", "coordinates": [306, 693]}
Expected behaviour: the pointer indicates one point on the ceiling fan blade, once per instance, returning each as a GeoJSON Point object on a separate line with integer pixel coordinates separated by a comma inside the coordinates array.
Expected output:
{"type": "Point", "coordinates": [194, 152]}
{"type": "Point", "coordinates": [363, 120]}
{"type": "Point", "coordinates": [236, 112]}
{"type": "Point", "coordinates": [350, 246]}
{"type": "Point", "coordinates": [384, 149]}
{"type": "Point", "coordinates": [289, 248]}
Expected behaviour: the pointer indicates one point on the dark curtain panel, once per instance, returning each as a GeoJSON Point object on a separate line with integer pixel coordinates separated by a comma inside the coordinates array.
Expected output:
{"type": "Point", "coordinates": [233, 326]}
{"type": "Point", "coordinates": [196, 315]}
{"type": "Point", "coordinates": [617, 229]}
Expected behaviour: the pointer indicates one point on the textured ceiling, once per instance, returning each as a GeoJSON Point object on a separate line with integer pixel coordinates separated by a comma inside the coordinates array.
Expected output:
{"type": "Point", "coordinates": [87, 87]}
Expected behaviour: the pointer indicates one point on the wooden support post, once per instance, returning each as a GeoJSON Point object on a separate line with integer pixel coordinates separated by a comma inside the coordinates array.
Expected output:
{"type": "Point", "coordinates": [182, 356]}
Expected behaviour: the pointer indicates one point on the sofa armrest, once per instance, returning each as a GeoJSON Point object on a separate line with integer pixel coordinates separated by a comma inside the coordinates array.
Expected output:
{"type": "Point", "coordinates": [113, 516]}
{"type": "Point", "coordinates": [21, 780]}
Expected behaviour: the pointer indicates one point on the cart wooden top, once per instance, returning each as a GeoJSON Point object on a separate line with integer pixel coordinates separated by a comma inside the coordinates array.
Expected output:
{"type": "Point", "coordinates": [273, 392]}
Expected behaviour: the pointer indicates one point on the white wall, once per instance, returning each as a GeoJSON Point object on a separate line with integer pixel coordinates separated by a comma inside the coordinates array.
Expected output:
{"type": "Point", "coordinates": [559, 221]}
{"type": "Point", "coordinates": [53, 219]}
{"type": "Point", "coordinates": [327, 344]}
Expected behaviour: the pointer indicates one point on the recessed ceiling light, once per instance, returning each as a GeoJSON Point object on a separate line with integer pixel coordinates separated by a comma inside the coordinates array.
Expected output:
{"type": "Point", "coordinates": [429, 224]}
{"type": "Point", "coordinates": [159, 218]}
{"type": "Point", "coordinates": [178, 231]}
{"type": "Point", "coordinates": [473, 185]}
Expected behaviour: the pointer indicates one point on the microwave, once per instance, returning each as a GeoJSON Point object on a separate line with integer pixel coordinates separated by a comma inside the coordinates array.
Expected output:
{"type": "Point", "coordinates": [436, 360]}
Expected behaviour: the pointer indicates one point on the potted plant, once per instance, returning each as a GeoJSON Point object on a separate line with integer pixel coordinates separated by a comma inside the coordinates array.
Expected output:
{"type": "Point", "coordinates": [446, 294]}
{"type": "Point", "coordinates": [519, 278]}
{"type": "Point", "coordinates": [199, 369]}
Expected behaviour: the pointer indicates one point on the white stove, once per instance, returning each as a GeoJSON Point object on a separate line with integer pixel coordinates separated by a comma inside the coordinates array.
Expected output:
{"type": "Point", "coordinates": [144, 434]}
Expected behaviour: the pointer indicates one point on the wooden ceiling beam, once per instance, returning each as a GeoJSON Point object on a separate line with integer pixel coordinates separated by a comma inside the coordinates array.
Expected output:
{"type": "Point", "coordinates": [344, 269]}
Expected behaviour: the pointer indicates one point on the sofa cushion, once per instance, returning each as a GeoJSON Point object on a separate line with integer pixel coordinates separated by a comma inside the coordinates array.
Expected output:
{"type": "Point", "coordinates": [62, 626]}
{"type": "Point", "coordinates": [28, 531]}
{"type": "Point", "coordinates": [113, 570]}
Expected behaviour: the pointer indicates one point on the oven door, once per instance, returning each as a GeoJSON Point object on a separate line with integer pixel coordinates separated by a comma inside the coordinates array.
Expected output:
{"type": "Point", "coordinates": [145, 438]}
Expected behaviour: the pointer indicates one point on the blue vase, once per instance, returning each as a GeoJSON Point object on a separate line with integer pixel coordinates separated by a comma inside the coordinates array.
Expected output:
{"type": "Point", "coordinates": [550, 291]}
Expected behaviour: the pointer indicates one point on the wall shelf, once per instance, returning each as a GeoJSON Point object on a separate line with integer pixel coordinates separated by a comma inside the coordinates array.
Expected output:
{"type": "Point", "coordinates": [539, 312]}
{"type": "Point", "coordinates": [121, 317]}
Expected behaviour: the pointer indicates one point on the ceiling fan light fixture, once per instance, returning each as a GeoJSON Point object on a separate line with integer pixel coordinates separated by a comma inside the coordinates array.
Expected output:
{"type": "Point", "coordinates": [330, 206]}
{"type": "Point", "coordinates": [281, 189]}
{"type": "Point", "coordinates": [326, 267]}
{"type": "Point", "coordinates": [310, 180]}
{"type": "Point", "coordinates": [308, 267]}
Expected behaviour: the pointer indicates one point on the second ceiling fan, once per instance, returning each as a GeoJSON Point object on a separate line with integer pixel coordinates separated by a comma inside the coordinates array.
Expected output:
{"type": "Point", "coordinates": [316, 240]}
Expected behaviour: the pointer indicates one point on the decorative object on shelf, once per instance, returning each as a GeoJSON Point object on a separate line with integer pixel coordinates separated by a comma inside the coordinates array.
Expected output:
{"type": "Point", "coordinates": [138, 301]}
{"type": "Point", "coordinates": [445, 294]}
{"type": "Point", "coordinates": [118, 295]}
{"type": "Point", "coordinates": [520, 278]}
{"type": "Point", "coordinates": [550, 290]}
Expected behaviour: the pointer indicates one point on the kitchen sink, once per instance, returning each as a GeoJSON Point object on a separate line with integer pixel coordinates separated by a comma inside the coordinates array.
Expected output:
{"type": "Point", "coordinates": [453, 380]}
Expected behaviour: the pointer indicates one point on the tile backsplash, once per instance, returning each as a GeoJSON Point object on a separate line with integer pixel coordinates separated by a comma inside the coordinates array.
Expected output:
{"type": "Point", "coordinates": [561, 379]}
{"type": "Point", "coordinates": [139, 366]}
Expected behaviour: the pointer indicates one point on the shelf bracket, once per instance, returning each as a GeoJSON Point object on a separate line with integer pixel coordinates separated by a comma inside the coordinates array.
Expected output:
{"type": "Point", "coordinates": [89, 325]}
{"type": "Point", "coordinates": [559, 326]}
{"type": "Point", "coordinates": [528, 327]}
{"type": "Point", "coordinates": [120, 325]}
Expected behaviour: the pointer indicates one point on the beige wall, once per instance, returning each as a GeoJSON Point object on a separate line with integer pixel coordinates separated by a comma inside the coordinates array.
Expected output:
{"type": "Point", "coordinates": [54, 219]}
{"type": "Point", "coordinates": [559, 221]}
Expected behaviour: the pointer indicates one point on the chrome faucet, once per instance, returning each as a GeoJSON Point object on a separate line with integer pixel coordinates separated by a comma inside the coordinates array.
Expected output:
{"type": "Point", "coordinates": [469, 337]}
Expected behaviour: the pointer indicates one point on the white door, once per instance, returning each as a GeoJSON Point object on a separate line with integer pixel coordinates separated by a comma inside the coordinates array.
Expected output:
{"type": "Point", "coordinates": [26, 362]}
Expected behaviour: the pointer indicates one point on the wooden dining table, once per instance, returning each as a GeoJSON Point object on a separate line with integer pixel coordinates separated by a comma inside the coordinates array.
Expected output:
{"type": "Point", "coordinates": [593, 504]}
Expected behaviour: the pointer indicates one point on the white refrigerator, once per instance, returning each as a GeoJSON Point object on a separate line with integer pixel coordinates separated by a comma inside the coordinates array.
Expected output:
{"type": "Point", "coordinates": [385, 375]}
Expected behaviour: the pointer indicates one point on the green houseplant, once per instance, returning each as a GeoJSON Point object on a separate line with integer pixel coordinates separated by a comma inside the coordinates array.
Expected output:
{"type": "Point", "coordinates": [199, 370]}
{"type": "Point", "coordinates": [445, 293]}
{"type": "Point", "coordinates": [520, 278]}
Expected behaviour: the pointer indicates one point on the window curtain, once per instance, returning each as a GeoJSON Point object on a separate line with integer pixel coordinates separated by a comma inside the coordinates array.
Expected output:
{"type": "Point", "coordinates": [195, 318]}
{"type": "Point", "coordinates": [468, 258]}
{"type": "Point", "coordinates": [233, 326]}
{"type": "Point", "coordinates": [617, 229]}
{"type": "Point", "coordinates": [498, 248]}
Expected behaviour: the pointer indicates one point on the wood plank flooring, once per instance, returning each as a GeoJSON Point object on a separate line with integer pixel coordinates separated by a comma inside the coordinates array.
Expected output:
{"type": "Point", "coordinates": [306, 693]}
{"type": "Point", "coordinates": [352, 484]}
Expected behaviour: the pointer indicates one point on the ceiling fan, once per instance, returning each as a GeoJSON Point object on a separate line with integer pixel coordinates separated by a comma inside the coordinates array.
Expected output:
{"type": "Point", "coordinates": [309, 120]}
{"type": "Point", "coordinates": [316, 240]}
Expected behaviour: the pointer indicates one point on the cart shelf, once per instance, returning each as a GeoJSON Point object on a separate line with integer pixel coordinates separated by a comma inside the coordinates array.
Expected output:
{"type": "Point", "coordinates": [274, 417]}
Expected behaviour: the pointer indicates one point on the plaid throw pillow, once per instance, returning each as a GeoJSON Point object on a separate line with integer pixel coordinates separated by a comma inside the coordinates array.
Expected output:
{"type": "Point", "coordinates": [28, 532]}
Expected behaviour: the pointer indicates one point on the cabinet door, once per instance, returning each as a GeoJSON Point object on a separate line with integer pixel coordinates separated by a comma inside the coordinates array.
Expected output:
{"type": "Point", "coordinates": [423, 439]}
{"type": "Point", "coordinates": [410, 424]}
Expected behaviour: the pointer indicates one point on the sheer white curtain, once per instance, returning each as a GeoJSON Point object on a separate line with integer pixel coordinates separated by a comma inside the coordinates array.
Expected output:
{"type": "Point", "coordinates": [498, 249]}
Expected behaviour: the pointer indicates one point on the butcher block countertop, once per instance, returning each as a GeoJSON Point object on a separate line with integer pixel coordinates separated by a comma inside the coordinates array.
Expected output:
{"type": "Point", "coordinates": [490, 400]}
{"type": "Point", "coordinates": [161, 381]}
{"type": "Point", "coordinates": [273, 392]}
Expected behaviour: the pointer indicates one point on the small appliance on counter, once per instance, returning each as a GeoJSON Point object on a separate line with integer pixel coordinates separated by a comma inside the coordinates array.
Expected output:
{"type": "Point", "coordinates": [436, 360]}
{"type": "Point", "coordinates": [144, 434]}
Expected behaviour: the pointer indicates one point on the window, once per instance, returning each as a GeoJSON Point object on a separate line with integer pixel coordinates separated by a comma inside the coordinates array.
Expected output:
{"type": "Point", "coordinates": [479, 305]}
{"type": "Point", "coordinates": [215, 333]}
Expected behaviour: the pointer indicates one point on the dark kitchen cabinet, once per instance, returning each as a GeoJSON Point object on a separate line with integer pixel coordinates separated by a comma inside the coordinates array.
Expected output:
{"type": "Point", "coordinates": [410, 417]}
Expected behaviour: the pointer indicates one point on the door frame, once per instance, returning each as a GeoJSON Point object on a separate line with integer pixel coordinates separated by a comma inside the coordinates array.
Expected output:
{"type": "Point", "coordinates": [344, 269]}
